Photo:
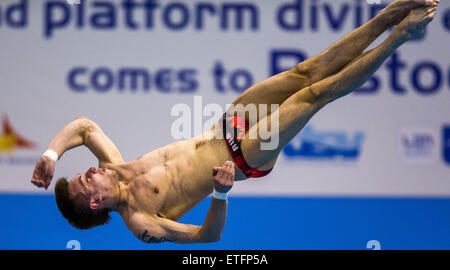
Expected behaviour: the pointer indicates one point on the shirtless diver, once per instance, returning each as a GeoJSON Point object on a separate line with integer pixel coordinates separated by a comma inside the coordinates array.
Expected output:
{"type": "Point", "coordinates": [152, 192]}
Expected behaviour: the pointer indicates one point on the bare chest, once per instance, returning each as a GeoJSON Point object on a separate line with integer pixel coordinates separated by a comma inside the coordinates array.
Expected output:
{"type": "Point", "coordinates": [175, 181]}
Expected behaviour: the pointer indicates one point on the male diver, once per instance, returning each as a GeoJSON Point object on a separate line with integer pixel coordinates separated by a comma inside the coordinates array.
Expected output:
{"type": "Point", "coordinates": [152, 192]}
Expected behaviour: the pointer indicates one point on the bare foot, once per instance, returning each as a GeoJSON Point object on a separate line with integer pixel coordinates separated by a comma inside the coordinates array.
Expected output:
{"type": "Point", "coordinates": [413, 26]}
{"type": "Point", "coordinates": [399, 9]}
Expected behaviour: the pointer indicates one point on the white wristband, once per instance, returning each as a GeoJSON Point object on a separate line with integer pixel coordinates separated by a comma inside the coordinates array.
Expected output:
{"type": "Point", "coordinates": [51, 154]}
{"type": "Point", "coordinates": [220, 195]}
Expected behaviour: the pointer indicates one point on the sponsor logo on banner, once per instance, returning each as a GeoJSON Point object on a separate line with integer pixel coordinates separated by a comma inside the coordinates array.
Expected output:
{"type": "Point", "coordinates": [418, 145]}
{"type": "Point", "coordinates": [446, 143]}
{"type": "Point", "coordinates": [325, 145]}
{"type": "Point", "coordinates": [10, 142]}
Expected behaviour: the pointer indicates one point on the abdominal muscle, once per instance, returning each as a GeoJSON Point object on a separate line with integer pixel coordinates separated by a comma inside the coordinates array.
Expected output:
{"type": "Point", "coordinates": [178, 176]}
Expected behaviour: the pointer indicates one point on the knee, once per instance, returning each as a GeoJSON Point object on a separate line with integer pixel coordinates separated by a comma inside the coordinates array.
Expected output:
{"type": "Point", "coordinates": [304, 70]}
{"type": "Point", "coordinates": [311, 69]}
{"type": "Point", "coordinates": [320, 96]}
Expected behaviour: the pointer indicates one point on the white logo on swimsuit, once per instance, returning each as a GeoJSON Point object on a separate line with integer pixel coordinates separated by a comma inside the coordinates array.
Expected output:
{"type": "Point", "coordinates": [232, 142]}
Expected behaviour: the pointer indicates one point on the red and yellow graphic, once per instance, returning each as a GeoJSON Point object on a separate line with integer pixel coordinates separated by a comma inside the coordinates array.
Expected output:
{"type": "Point", "coordinates": [10, 140]}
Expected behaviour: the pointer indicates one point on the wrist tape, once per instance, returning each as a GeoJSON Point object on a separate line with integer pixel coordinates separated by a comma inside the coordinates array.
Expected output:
{"type": "Point", "coordinates": [220, 195]}
{"type": "Point", "coordinates": [51, 154]}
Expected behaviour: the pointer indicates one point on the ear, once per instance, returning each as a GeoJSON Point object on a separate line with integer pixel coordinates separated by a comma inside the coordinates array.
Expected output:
{"type": "Point", "coordinates": [96, 202]}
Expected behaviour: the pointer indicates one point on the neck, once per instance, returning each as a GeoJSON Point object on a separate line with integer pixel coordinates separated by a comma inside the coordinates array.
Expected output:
{"type": "Point", "coordinates": [120, 196]}
{"type": "Point", "coordinates": [115, 197]}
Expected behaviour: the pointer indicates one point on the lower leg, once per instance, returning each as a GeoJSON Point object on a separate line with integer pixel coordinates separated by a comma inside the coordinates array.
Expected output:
{"type": "Point", "coordinates": [299, 108]}
{"type": "Point", "coordinates": [362, 68]}
{"type": "Point", "coordinates": [278, 88]}
{"type": "Point", "coordinates": [352, 45]}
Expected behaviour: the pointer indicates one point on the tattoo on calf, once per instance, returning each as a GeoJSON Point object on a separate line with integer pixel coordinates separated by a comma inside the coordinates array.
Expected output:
{"type": "Point", "coordinates": [145, 237]}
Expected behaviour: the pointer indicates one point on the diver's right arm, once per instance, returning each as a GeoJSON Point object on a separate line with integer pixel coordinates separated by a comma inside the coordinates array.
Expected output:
{"type": "Point", "coordinates": [81, 131]}
{"type": "Point", "coordinates": [154, 229]}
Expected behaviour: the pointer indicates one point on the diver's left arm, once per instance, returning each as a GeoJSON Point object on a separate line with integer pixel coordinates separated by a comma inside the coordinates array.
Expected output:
{"type": "Point", "coordinates": [81, 131]}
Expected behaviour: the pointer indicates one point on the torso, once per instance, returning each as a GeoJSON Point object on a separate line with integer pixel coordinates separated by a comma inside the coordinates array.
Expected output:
{"type": "Point", "coordinates": [171, 180]}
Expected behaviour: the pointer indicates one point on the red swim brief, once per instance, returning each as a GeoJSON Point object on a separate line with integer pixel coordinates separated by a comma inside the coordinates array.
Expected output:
{"type": "Point", "coordinates": [240, 126]}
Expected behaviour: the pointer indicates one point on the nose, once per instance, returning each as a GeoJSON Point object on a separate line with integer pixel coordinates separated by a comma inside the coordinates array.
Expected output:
{"type": "Point", "coordinates": [91, 171]}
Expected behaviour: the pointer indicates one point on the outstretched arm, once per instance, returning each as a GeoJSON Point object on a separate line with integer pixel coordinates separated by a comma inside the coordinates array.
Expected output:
{"type": "Point", "coordinates": [81, 131]}
{"type": "Point", "coordinates": [156, 230]}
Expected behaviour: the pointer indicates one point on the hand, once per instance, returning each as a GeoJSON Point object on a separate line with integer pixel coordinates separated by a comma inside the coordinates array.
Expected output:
{"type": "Point", "coordinates": [43, 172]}
{"type": "Point", "coordinates": [223, 177]}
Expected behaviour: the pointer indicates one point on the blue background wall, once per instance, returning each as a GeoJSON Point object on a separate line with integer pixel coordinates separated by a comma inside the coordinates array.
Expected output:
{"type": "Point", "coordinates": [253, 223]}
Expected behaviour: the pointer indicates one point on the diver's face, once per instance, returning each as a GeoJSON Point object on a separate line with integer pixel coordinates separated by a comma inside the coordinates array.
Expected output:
{"type": "Point", "coordinates": [85, 185]}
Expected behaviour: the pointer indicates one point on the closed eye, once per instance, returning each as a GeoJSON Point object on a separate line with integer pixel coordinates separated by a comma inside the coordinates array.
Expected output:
{"type": "Point", "coordinates": [81, 182]}
{"type": "Point", "coordinates": [84, 188]}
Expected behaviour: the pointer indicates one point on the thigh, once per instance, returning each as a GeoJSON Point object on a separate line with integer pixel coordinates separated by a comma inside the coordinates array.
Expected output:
{"type": "Point", "coordinates": [265, 140]}
{"type": "Point", "coordinates": [273, 90]}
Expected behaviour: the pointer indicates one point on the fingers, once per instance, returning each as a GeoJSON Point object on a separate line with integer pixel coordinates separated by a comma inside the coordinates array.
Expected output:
{"type": "Point", "coordinates": [226, 172]}
{"type": "Point", "coordinates": [46, 184]}
{"type": "Point", "coordinates": [228, 163]}
{"type": "Point", "coordinates": [224, 177]}
{"type": "Point", "coordinates": [216, 170]}
{"type": "Point", "coordinates": [37, 182]}
{"type": "Point", "coordinates": [220, 173]}
{"type": "Point", "coordinates": [48, 180]}
{"type": "Point", "coordinates": [229, 170]}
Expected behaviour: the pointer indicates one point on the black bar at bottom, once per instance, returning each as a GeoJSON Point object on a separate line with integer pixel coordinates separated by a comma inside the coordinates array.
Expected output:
{"type": "Point", "coordinates": [261, 259]}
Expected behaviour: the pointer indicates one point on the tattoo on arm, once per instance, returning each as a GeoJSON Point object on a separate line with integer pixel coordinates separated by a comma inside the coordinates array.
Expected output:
{"type": "Point", "coordinates": [145, 237]}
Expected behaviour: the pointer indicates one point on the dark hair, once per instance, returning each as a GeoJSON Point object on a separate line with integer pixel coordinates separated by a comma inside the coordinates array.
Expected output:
{"type": "Point", "coordinates": [77, 216]}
